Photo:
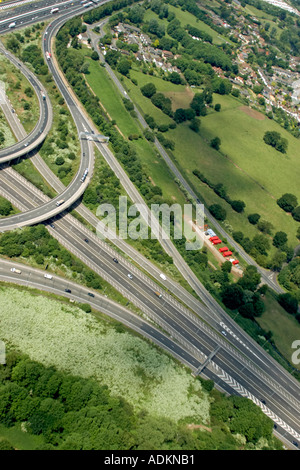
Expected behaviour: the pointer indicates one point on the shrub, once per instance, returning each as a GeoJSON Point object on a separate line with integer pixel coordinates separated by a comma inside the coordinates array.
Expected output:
{"type": "Point", "coordinates": [215, 143]}
{"type": "Point", "coordinates": [253, 218]}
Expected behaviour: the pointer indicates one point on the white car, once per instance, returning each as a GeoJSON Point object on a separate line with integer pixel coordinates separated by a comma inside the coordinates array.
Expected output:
{"type": "Point", "coordinates": [224, 333]}
{"type": "Point", "coordinates": [163, 277]}
{"type": "Point", "coordinates": [48, 276]}
{"type": "Point", "coordinates": [130, 276]}
{"type": "Point", "coordinates": [15, 270]}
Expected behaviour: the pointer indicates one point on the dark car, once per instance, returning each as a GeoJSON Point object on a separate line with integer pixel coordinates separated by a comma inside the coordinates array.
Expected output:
{"type": "Point", "coordinates": [295, 443]}
{"type": "Point", "coordinates": [115, 260]}
{"type": "Point", "coordinates": [68, 290]}
{"type": "Point", "coordinates": [90, 294]}
{"type": "Point", "coordinates": [52, 225]}
{"type": "Point", "coordinates": [86, 240]}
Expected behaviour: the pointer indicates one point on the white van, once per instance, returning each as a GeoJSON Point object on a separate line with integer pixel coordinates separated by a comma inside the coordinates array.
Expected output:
{"type": "Point", "coordinates": [48, 276]}
{"type": "Point", "coordinates": [12, 25]}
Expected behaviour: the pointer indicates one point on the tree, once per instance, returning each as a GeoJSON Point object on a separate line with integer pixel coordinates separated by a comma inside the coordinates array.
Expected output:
{"type": "Point", "coordinates": [265, 227]}
{"type": "Point", "coordinates": [287, 202]}
{"type": "Point", "coordinates": [215, 143]}
{"type": "Point", "coordinates": [232, 296]}
{"type": "Point", "coordinates": [274, 139]}
{"type": "Point", "coordinates": [124, 66]}
{"type": "Point", "coordinates": [238, 206]}
{"type": "Point", "coordinates": [280, 239]}
{"type": "Point", "coordinates": [180, 115]}
{"type": "Point", "coordinates": [148, 90]}
{"type": "Point", "coordinates": [217, 211]}
{"type": "Point", "coordinates": [95, 55]}
{"type": "Point", "coordinates": [288, 302]}
{"type": "Point", "coordinates": [226, 267]}
{"type": "Point", "coordinates": [5, 207]}
{"type": "Point", "coordinates": [217, 107]}
{"type": "Point", "coordinates": [296, 213]}
{"type": "Point", "coordinates": [195, 125]}
{"type": "Point", "coordinates": [60, 160]}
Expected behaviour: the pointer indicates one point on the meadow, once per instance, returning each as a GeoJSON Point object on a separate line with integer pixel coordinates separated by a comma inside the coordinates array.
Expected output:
{"type": "Point", "coordinates": [64, 336]}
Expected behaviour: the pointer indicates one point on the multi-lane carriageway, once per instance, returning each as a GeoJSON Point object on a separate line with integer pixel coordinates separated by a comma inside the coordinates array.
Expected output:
{"type": "Point", "coordinates": [239, 365]}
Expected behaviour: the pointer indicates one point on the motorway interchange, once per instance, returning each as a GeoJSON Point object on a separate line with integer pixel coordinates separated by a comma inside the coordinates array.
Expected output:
{"type": "Point", "coordinates": [194, 330]}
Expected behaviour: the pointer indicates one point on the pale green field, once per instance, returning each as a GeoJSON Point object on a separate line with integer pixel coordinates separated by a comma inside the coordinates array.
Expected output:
{"type": "Point", "coordinates": [63, 336]}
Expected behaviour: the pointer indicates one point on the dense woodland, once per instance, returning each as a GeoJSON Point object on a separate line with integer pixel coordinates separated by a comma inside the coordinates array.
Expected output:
{"type": "Point", "coordinates": [72, 413]}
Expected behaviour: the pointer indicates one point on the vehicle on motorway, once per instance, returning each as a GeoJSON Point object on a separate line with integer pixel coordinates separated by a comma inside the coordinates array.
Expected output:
{"type": "Point", "coordinates": [115, 260]}
{"type": "Point", "coordinates": [158, 294]}
{"type": "Point", "coordinates": [86, 240]}
{"type": "Point", "coordinates": [26, 145]}
{"type": "Point", "coordinates": [224, 333]}
{"type": "Point", "coordinates": [48, 276]}
{"type": "Point", "coordinates": [163, 276]}
{"type": "Point", "coordinates": [68, 290]}
{"type": "Point", "coordinates": [59, 203]}
{"type": "Point", "coordinates": [90, 294]}
{"type": "Point", "coordinates": [52, 225]}
{"type": "Point", "coordinates": [83, 2]}
{"type": "Point", "coordinates": [48, 55]}
{"type": "Point", "coordinates": [12, 110]}
{"type": "Point", "coordinates": [130, 276]}
{"type": "Point", "coordinates": [15, 270]}
{"type": "Point", "coordinates": [296, 443]}
{"type": "Point", "coordinates": [12, 25]}
{"type": "Point", "coordinates": [84, 175]}
{"type": "Point", "coordinates": [43, 96]}
{"type": "Point", "coordinates": [54, 10]}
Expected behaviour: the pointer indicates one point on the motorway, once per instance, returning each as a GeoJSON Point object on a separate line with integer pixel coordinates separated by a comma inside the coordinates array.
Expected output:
{"type": "Point", "coordinates": [71, 236]}
{"type": "Point", "coordinates": [249, 379]}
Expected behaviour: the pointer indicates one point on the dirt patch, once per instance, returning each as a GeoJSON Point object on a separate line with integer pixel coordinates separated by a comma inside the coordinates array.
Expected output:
{"type": "Point", "coordinates": [252, 113]}
{"type": "Point", "coordinates": [199, 426]}
{"type": "Point", "coordinates": [152, 182]}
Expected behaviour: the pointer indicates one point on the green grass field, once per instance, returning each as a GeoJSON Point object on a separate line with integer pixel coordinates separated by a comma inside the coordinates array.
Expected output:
{"type": "Point", "coordinates": [105, 89]}
{"type": "Point", "coordinates": [249, 169]}
{"type": "Point", "coordinates": [285, 327]}
{"type": "Point", "coordinates": [187, 18]}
